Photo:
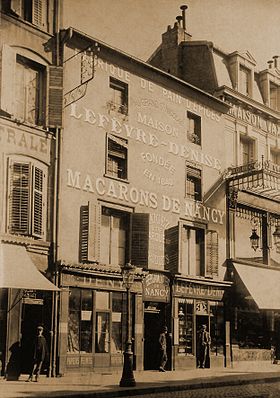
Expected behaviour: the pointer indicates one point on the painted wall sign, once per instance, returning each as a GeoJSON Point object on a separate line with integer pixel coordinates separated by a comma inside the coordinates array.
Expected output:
{"type": "Point", "coordinates": [254, 120]}
{"type": "Point", "coordinates": [156, 288]}
{"type": "Point", "coordinates": [142, 136]}
{"type": "Point", "coordinates": [196, 290]}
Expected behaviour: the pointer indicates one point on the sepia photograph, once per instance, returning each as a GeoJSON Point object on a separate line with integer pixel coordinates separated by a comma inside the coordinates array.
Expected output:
{"type": "Point", "coordinates": [140, 198]}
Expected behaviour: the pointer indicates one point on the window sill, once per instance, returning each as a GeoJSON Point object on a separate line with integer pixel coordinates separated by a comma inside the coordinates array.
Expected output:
{"type": "Point", "coordinates": [116, 178]}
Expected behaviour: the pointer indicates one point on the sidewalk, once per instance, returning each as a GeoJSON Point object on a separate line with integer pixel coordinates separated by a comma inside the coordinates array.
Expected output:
{"type": "Point", "coordinates": [106, 385]}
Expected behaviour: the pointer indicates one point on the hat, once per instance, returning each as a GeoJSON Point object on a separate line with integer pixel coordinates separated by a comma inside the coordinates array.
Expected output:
{"type": "Point", "coordinates": [164, 328]}
{"type": "Point", "coordinates": [40, 327]}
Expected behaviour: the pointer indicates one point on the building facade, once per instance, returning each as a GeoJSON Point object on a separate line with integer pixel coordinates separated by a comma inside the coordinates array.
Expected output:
{"type": "Point", "coordinates": [251, 178]}
{"type": "Point", "coordinates": [27, 131]}
{"type": "Point", "coordinates": [140, 153]}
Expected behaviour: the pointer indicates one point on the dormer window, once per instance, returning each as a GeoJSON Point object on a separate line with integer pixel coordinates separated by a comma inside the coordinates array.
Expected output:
{"type": "Point", "coordinates": [273, 96]}
{"type": "Point", "coordinates": [244, 80]}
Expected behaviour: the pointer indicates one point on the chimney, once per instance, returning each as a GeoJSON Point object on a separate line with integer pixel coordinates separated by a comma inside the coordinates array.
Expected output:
{"type": "Point", "coordinates": [179, 20]}
{"type": "Point", "coordinates": [270, 64]}
{"type": "Point", "coordinates": [184, 8]}
{"type": "Point", "coordinates": [275, 57]}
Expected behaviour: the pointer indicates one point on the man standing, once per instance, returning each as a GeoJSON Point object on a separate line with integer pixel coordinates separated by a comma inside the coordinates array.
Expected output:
{"type": "Point", "coordinates": [203, 346]}
{"type": "Point", "coordinates": [163, 349]}
{"type": "Point", "coordinates": [40, 352]}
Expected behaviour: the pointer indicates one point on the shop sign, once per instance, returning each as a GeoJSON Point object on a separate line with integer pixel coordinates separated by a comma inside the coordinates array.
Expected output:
{"type": "Point", "coordinates": [196, 290]}
{"type": "Point", "coordinates": [156, 288]}
{"type": "Point", "coordinates": [34, 301]}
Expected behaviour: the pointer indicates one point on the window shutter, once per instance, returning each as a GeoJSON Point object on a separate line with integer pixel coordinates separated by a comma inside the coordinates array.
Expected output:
{"type": "Point", "coordinates": [38, 186]}
{"type": "Point", "coordinates": [55, 96]}
{"type": "Point", "coordinates": [212, 253]}
{"type": "Point", "coordinates": [16, 7]}
{"type": "Point", "coordinates": [7, 81]}
{"type": "Point", "coordinates": [140, 239]}
{"type": "Point", "coordinates": [19, 198]}
{"type": "Point", "coordinates": [171, 249]}
{"type": "Point", "coordinates": [39, 13]}
{"type": "Point", "coordinates": [89, 239]}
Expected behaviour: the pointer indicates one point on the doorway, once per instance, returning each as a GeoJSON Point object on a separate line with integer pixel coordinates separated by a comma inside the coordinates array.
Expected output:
{"type": "Point", "coordinates": [32, 316]}
{"type": "Point", "coordinates": [202, 320]}
{"type": "Point", "coordinates": [154, 319]}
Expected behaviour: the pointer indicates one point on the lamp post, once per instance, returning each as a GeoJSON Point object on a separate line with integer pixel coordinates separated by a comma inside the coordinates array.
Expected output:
{"type": "Point", "coordinates": [127, 380]}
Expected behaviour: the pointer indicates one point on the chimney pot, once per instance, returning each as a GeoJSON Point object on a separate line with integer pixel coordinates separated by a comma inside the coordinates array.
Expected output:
{"type": "Point", "coordinates": [270, 64]}
{"type": "Point", "coordinates": [184, 8]}
{"type": "Point", "coordinates": [179, 19]}
{"type": "Point", "coordinates": [275, 57]}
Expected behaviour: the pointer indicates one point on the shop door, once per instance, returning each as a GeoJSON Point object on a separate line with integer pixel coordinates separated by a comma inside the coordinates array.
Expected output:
{"type": "Point", "coordinates": [32, 316]}
{"type": "Point", "coordinates": [201, 320]}
{"type": "Point", "coordinates": [154, 319]}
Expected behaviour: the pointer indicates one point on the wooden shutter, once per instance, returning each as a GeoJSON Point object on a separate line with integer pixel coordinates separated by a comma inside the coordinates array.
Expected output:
{"type": "Point", "coordinates": [55, 96]}
{"type": "Point", "coordinates": [89, 239]}
{"type": "Point", "coordinates": [19, 198]}
{"type": "Point", "coordinates": [38, 189]}
{"type": "Point", "coordinates": [171, 249]}
{"type": "Point", "coordinates": [16, 7]}
{"type": "Point", "coordinates": [140, 239]}
{"type": "Point", "coordinates": [7, 79]}
{"type": "Point", "coordinates": [212, 253]}
{"type": "Point", "coordinates": [39, 13]}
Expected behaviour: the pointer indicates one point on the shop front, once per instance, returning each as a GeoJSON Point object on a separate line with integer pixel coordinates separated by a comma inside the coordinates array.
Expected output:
{"type": "Point", "coordinates": [92, 326]}
{"type": "Point", "coordinates": [197, 303]}
{"type": "Point", "coordinates": [156, 297]}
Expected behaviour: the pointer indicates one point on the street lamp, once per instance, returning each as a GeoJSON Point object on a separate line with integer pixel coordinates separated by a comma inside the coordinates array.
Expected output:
{"type": "Point", "coordinates": [127, 380]}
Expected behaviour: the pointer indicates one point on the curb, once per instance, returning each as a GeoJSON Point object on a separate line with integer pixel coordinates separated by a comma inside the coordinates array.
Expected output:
{"type": "Point", "coordinates": [128, 392]}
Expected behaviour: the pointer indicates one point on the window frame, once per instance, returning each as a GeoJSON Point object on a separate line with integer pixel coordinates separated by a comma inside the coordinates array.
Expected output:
{"type": "Point", "coordinates": [36, 197]}
{"type": "Point", "coordinates": [244, 71]}
{"type": "Point", "coordinates": [191, 170]}
{"type": "Point", "coordinates": [113, 156]}
{"type": "Point", "coordinates": [245, 140]}
{"type": "Point", "coordinates": [122, 88]}
{"type": "Point", "coordinates": [194, 136]}
{"type": "Point", "coordinates": [34, 12]}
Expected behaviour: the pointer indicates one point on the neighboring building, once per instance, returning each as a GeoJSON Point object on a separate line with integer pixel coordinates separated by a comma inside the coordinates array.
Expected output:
{"type": "Point", "coordinates": [140, 152]}
{"type": "Point", "coordinates": [252, 179]}
{"type": "Point", "coordinates": [26, 178]}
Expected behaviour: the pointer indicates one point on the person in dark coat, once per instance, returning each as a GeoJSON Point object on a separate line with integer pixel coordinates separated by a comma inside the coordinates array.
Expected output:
{"type": "Point", "coordinates": [203, 345]}
{"type": "Point", "coordinates": [163, 349]}
{"type": "Point", "coordinates": [40, 353]}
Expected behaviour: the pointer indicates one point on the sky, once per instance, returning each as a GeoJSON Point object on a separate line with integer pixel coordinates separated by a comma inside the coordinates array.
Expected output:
{"type": "Point", "coordinates": [135, 26]}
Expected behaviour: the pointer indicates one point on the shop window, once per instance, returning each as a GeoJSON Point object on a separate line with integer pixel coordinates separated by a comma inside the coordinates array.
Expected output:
{"type": "Point", "coordinates": [114, 236]}
{"type": "Point", "coordinates": [116, 157]}
{"type": "Point", "coordinates": [110, 322]}
{"type": "Point", "coordinates": [193, 183]}
{"type": "Point", "coordinates": [247, 150]}
{"type": "Point", "coordinates": [244, 80]}
{"type": "Point", "coordinates": [33, 11]}
{"type": "Point", "coordinates": [194, 128]}
{"type": "Point", "coordinates": [119, 96]}
{"type": "Point", "coordinates": [186, 332]}
{"type": "Point", "coordinates": [217, 328]}
{"type": "Point", "coordinates": [27, 198]}
{"type": "Point", "coordinates": [274, 96]}
{"type": "Point", "coordinates": [80, 321]}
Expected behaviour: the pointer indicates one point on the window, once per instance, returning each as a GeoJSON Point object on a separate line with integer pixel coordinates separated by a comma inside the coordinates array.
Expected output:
{"type": "Point", "coordinates": [273, 95]}
{"type": "Point", "coordinates": [27, 190]}
{"type": "Point", "coordinates": [117, 157]}
{"type": "Point", "coordinates": [28, 91]}
{"type": "Point", "coordinates": [217, 327]}
{"type": "Point", "coordinates": [193, 183]}
{"type": "Point", "coordinates": [110, 322]}
{"type": "Point", "coordinates": [119, 96]}
{"type": "Point", "coordinates": [80, 321]}
{"type": "Point", "coordinates": [33, 11]}
{"type": "Point", "coordinates": [114, 236]}
{"type": "Point", "coordinates": [194, 128]}
{"type": "Point", "coordinates": [193, 251]}
{"type": "Point", "coordinates": [244, 80]}
{"type": "Point", "coordinates": [246, 150]}
{"type": "Point", "coordinates": [185, 316]}
{"type": "Point", "coordinates": [275, 156]}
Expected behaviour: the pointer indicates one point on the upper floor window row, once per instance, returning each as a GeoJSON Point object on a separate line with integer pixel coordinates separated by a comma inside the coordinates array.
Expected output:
{"type": "Point", "coordinates": [30, 92]}
{"type": "Point", "coordinates": [35, 12]}
{"type": "Point", "coordinates": [119, 96]}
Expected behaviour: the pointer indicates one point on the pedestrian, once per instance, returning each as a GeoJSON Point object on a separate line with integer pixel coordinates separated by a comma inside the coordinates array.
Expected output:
{"type": "Point", "coordinates": [40, 353]}
{"type": "Point", "coordinates": [203, 347]}
{"type": "Point", "coordinates": [162, 348]}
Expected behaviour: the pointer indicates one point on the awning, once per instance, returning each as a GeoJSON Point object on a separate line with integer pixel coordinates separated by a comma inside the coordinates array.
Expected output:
{"type": "Point", "coordinates": [17, 270]}
{"type": "Point", "coordinates": [263, 285]}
